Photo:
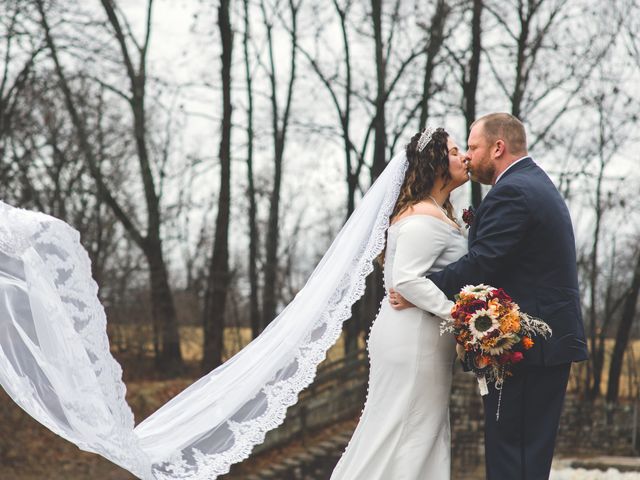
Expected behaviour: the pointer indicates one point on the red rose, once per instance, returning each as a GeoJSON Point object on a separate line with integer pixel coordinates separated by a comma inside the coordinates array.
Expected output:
{"type": "Point", "coordinates": [473, 306]}
{"type": "Point", "coordinates": [517, 357]}
{"type": "Point", "coordinates": [468, 215]}
{"type": "Point", "coordinates": [500, 294]}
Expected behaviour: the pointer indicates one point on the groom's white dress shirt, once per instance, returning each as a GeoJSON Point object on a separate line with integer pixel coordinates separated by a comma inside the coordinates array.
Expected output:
{"type": "Point", "coordinates": [519, 160]}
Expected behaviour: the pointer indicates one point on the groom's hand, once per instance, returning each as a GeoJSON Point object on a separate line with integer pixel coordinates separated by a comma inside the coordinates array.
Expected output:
{"type": "Point", "coordinates": [397, 301]}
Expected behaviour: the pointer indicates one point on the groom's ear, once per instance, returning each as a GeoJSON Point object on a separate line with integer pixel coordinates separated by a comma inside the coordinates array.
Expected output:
{"type": "Point", "coordinates": [499, 148]}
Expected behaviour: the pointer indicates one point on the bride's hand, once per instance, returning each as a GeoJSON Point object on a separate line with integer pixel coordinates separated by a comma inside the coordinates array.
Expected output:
{"type": "Point", "coordinates": [398, 302]}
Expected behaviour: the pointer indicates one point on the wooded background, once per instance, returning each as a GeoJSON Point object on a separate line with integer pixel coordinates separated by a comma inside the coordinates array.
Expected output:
{"type": "Point", "coordinates": [209, 151]}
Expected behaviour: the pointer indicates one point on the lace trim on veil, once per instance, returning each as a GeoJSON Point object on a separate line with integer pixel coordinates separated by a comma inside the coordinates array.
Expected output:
{"type": "Point", "coordinates": [69, 266]}
{"type": "Point", "coordinates": [283, 394]}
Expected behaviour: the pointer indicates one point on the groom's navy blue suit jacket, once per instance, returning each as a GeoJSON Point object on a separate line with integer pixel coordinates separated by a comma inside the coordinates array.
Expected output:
{"type": "Point", "coordinates": [521, 239]}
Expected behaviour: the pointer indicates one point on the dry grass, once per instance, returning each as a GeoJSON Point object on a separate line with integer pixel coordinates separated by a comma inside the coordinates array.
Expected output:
{"type": "Point", "coordinates": [630, 378]}
{"type": "Point", "coordinates": [130, 338]}
{"type": "Point", "coordinates": [237, 338]}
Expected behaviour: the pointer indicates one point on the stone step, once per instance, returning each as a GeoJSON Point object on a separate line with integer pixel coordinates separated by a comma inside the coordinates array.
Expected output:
{"type": "Point", "coordinates": [622, 464]}
{"type": "Point", "coordinates": [334, 445]}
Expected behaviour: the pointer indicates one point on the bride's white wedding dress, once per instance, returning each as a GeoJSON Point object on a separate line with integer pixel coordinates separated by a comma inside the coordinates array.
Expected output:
{"type": "Point", "coordinates": [404, 432]}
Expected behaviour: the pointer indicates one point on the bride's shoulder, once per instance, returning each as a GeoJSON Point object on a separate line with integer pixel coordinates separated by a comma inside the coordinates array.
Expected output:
{"type": "Point", "coordinates": [419, 211]}
{"type": "Point", "coordinates": [425, 208]}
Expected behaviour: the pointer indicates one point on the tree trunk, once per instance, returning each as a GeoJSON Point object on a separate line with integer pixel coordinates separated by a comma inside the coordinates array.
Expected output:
{"type": "Point", "coordinates": [610, 307]}
{"type": "Point", "coordinates": [470, 87]}
{"type": "Point", "coordinates": [167, 341]}
{"type": "Point", "coordinates": [353, 327]}
{"type": "Point", "coordinates": [269, 298]}
{"type": "Point", "coordinates": [218, 281]}
{"type": "Point", "coordinates": [375, 290]}
{"type": "Point", "coordinates": [436, 39]}
{"type": "Point", "coordinates": [170, 358]}
{"type": "Point", "coordinates": [167, 347]}
{"type": "Point", "coordinates": [380, 133]}
{"type": "Point", "coordinates": [270, 288]}
{"type": "Point", "coordinates": [622, 335]}
{"type": "Point", "coordinates": [254, 307]}
{"type": "Point", "coordinates": [352, 175]}
{"type": "Point", "coordinates": [596, 357]}
{"type": "Point", "coordinates": [271, 242]}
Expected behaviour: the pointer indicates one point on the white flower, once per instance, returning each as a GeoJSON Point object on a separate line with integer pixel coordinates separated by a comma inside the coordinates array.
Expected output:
{"type": "Point", "coordinates": [479, 292]}
{"type": "Point", "coordinates": [482, 323]}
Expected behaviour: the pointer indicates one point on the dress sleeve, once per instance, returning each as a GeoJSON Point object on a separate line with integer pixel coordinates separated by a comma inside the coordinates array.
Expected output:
{"type": "Point", "coordinates": [420, 242]}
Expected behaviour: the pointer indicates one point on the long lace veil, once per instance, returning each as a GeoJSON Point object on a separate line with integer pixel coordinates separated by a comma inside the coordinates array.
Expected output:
{"type": "Point", "coordinates": [56, 364]}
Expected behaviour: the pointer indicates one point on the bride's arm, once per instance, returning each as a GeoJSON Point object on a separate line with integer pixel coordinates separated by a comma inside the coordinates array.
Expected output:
{"type": "Point", "coordinates": [419, 244]}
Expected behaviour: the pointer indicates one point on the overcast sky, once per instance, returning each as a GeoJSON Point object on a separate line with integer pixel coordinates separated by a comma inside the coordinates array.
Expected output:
{"type": "Point", "coordinates": [185, 50]}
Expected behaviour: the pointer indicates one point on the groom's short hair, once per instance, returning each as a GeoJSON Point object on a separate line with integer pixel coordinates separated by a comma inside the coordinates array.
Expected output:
{"type": "Point", "coordinates": [506, 127]}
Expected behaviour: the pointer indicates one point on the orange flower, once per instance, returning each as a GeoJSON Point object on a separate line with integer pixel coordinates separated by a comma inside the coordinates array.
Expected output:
{"type": "Point", "coordinates": [510, 323]}
{"type": "Point", "coordinates": [527, 343]}
{"type": "Point", "coordinates": [483, 360]}
{"type": "Point", "coordinates": [494, 305]}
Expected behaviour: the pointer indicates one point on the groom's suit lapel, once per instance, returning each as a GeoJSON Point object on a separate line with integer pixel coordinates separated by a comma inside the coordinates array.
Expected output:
{"type": "Point", "coordinates": [522, 164]}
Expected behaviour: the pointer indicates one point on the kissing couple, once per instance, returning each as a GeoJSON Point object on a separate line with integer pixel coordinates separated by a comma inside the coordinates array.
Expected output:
{"type": "Point", "coordinates": [520, 239]}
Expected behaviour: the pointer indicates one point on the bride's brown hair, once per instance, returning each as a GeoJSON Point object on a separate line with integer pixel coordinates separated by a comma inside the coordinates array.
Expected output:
{"type": "Point", "coordinates": [422, 170]}
{"type": "Point", "coordinates": [423, 167]}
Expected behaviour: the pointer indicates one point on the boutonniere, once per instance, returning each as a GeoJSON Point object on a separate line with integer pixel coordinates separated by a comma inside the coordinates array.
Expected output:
{"type": "Point", "coordinates": [468, 214]}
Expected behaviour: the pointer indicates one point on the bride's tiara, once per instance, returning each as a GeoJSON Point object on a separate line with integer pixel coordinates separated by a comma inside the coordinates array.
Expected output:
{"type": "Point", "coordinates": [425, 138]}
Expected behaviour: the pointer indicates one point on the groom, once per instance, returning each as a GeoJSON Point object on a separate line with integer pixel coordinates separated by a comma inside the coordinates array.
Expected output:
{"type": "Point", "coordinates": [521, 239]}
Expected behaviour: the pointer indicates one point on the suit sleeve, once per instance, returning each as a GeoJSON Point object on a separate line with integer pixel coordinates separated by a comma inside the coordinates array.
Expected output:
{"type": "Point", "coordinates": [500, 230]}
{"type": "Point", "coordinates": [414, 257]}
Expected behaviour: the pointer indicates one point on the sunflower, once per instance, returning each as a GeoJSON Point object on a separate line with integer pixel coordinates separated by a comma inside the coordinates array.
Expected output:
{"type": "Point", "coordinates": [502, 344]}
{"type": "Point", "coordinates": [483, 322]}
{"type": "Point", "coordinates": [477, 291]}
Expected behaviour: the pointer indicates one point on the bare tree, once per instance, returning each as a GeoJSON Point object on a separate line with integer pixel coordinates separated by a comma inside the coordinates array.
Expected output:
{"type": "Point", "coordinates": [384, 87]}
{"type": "Point", "coordinates": [280, 123]}
{"type": "Point", "coordinates": [167, 339]}
{"type": "Point", "coordinates": [623, 334]}
{"type": "Point", "coordinates": [47, 170]}
{"type": "Point", "coordinates": [538, 91]}
{"type": "Point", "coordinates": [597, 350]}
{"type": "Point", "coordinates": [217, 285]}
{"type": "Point", "coordinates": [629, 313]}
{"type": "Point", "coordinates": [18, 63]}
{"type": "Point", "coordinates": [254, 241]}
{"type": "Point", "coordinates": [379, 122]}
{"type": "Point", "coordinates": [470, 79]}
{"type": "Point", "coordinates": [341, 94]}
{"type": "Point", "coordinates": [436, 38]}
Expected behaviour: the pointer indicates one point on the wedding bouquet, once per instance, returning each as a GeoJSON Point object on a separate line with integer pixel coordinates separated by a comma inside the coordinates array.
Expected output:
{"type": "Point", "coordinates": [493, 331]}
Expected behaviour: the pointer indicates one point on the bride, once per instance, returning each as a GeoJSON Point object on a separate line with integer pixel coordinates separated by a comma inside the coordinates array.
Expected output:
{"type": "Point", "coordinates": [404, 429]}
{"type": "Point", "coordinates": [55, 361]}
